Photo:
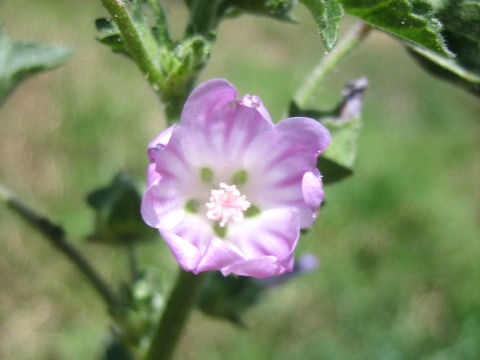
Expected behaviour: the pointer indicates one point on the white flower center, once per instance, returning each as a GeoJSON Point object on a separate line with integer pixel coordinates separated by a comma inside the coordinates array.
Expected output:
{"type": "Point", "coordinates": [226, 203]}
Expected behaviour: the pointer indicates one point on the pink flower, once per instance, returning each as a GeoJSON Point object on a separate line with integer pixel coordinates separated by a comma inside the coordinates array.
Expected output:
{"type": "Point", "coordinates": [229, 190]}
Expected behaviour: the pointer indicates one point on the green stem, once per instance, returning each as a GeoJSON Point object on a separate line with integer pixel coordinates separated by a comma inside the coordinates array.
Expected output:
{"type": "Point", "coordinates": [140, 43]}
{"type": "Point", "coordinates": [175, 316]}
{"type": "Point", "coordinates": [161, 22]}
{"type": "Point", "coordinates": [57, 237]}
{"type": "Point", "coordinates": [353, 38]}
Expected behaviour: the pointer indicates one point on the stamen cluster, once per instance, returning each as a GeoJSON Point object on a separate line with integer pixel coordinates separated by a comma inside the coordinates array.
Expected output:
{"type": "Point", "coordinates": [227, 203]}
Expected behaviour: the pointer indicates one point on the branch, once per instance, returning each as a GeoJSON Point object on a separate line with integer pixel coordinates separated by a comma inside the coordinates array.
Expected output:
{"type": "Point", "coordinates": [57, 238]}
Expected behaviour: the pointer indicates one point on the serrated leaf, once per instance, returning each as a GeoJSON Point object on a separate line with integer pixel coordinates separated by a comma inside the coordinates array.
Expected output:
{"type": "Point", "coordinates": [20, 60]}
{"type": "Point", "coordinates": [327, 15]}
{"type": "Point", "coordinates": [117, 212]}
{"type": "Point", "coordinates": [344, 123]}
{"type": "Point", "coordinates": [410, 20]}
{"type": "Point", "coordinates": [461, 21]}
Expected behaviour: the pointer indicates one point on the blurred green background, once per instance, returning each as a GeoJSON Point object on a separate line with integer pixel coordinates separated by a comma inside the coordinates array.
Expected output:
{"type": "Point", "coordinates": [399, 242]}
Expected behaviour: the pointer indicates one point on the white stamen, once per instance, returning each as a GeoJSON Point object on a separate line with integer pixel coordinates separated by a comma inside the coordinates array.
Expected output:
{"type": "Point", "coordinates": [226, 203]}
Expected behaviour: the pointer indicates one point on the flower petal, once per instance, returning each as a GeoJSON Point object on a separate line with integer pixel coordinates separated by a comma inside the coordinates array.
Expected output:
{"type": "Point", "coordinates": [274, 232]}
{"type": "Point", "coordinates": [205, 99]}
{"type": "Point", "coordinates": [277, 162]}
{"type": "Point", "coordinates": [196, 230]}
{"type": "Point", "coordinates": [255, 102]}
{"type": "Point", "coordinates": [159, 141]}
{"type": "Point", "coordinates": [162, 205]}
{"type": "Point", "coordinates": [170, 161]}
{"type": "Point", "coordinates": [183, 251]}
{"type": "Point", "coordinates": [260, 267]}
{"type": "Point", "coordinates": [152, 174]}
{"type": "Point", "coordinates": [305, 131]}
{"type": "Point", "coordinates": [217, 255]}
{"type": "Point", "coordinates": [222, 140]}
{"type": "Point", "coordinates": [312, 188]}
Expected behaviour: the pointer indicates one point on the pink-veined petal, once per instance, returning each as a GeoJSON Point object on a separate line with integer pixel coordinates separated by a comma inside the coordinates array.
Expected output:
{"type": "Point", "coordinates": [218, 254]}
{"type": "Point", "coordinates": [152, 174]}
{"type": "Point", "coordinates": [222, 140]}
{"type": "Point", "coordinates": [195, 230]}
{"type": "Point", "coordinates": [162, 205]}
{"type": "Point", "coordinates": [186, 254]}
{"type": "Point", "coordinates": [273, 232]}
{"type": "Point", "coordinates": [255, 102]}
{"type": "Point", "coordinates": [277, 162]}
{"type": "Point", "coordinates": [159, 141]}
{"type": "Point", "coordinates": [305, 132]}
{"type": "Point", "coordinates": [205, 100]}
{"type": "Point", "coordinates": [171, 162]}
{"type": "Point", "coordinates": [260, 267]}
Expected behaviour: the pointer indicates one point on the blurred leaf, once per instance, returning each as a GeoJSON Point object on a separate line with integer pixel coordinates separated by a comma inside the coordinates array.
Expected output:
{"type": "Point", "coordinates": [344, 124]}
{"type": "Point", "coordinates": [19, 60]}
{"type": "Point", "coordinates": [116, 350]}
{"type": "Point", "coordinates": [117, 212]}
{"type": "Point", "coordinates": [410, 20]}
{"type": "Point", "coordinates": [461, 21]}
{"type": "Point", "coordinates": [229, 297]}
{"type": "Point", "coordinates": [327, 15]}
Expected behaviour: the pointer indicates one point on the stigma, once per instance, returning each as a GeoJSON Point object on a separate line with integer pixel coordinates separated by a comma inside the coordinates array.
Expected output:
{"type": "Point", "coordinates": [226, 203]}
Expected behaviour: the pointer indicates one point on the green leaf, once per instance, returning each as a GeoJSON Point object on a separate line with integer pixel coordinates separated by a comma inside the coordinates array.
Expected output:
{"type": "Point", "coordinates": [20, 60]}
{"type": "Point", "coordinates": [327, 15]}
{"type": "Point", "coordinates": [411, 20]}
{"type": "Point", "coordinates": [344, 123]}
{"type": "Point", "coordinates": [117, 212]}
{"type": "Point", "coordinates": [461, 21]}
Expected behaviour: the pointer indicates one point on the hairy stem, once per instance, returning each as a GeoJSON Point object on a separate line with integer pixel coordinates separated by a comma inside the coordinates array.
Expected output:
{"type": "Point", "coordinates": [57, 238]}
{"type": "Point", "coordinates": [352, 39]}
{"type": "Point", "coordinates": [175, 315]}
{"type": "Point", "coordinates": [139, 40]}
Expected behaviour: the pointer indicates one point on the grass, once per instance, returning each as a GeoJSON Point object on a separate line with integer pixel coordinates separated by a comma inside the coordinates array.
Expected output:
{"type": "Point", "coordinates": [398, 242]}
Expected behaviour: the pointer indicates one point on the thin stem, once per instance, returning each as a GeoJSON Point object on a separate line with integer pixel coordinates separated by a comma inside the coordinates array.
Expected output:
{"type": "Point", "coordinates": [175, 316]}
{"type": "Point", "coordinates": [139, 41]}
{"type": "Point", "coordinates": [57, 237]}
{"type": "Point", "coordinates": [354, 37]}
